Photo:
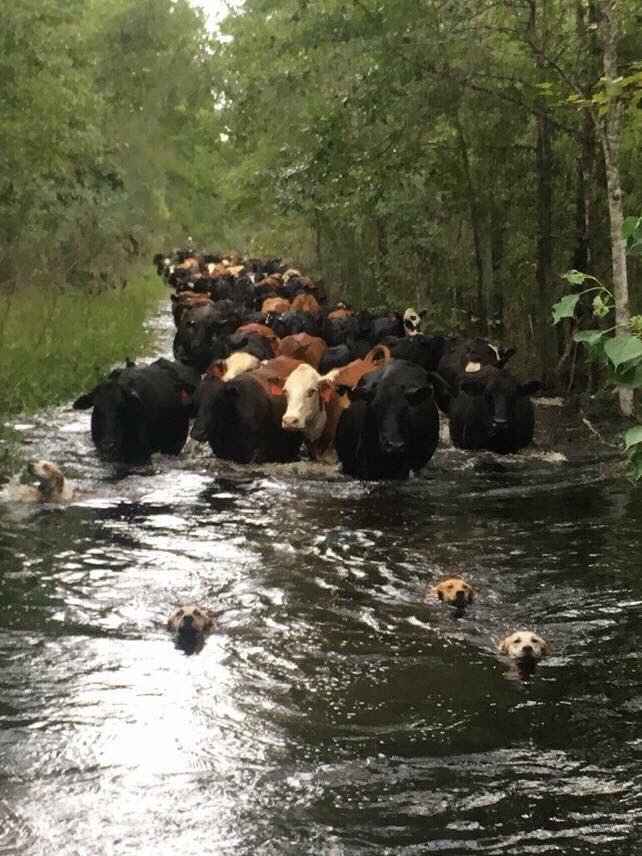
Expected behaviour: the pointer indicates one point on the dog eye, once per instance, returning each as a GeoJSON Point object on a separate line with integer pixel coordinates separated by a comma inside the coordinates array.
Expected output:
{"type": "Point", "coordinates": [180, 611]}
{"type": "Point", "coordinates": [534, 639]}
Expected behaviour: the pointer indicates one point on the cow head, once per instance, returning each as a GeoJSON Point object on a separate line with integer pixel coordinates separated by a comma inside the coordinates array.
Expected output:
{"type": "Point", "coordinates": [412, 321]}
{"type": "Point", "coordinates": [501, 393]}
{"type": "Point", "coordinates": [118, 422]}
{"type": "Point", "coordinates": [392, 394]}
{"type": "Point", "coordinates": [306, 393]}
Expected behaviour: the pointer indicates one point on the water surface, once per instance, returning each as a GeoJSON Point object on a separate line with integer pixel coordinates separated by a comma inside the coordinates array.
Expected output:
{"type": "Point", "coordinates": [332, 711]}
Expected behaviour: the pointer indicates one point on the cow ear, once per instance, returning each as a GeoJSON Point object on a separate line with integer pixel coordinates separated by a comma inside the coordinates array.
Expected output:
{"type": "Point", "coordinates": [186, 395]}
{"type": "Point", "coordinates": [275, 385]}
{"type": "Point", "coordinates": [217, 370]}
{"type": "Point", "coordinates": [473, 386]}
{"type": "Point", "coordinates": [326, 389]}
{"type": "Point", "coordinates": [529, 388]}
{"type": "Point", "coordinates": [86, 401]}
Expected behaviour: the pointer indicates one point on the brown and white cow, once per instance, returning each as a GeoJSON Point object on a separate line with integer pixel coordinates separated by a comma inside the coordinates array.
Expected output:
{"type": "Point", "coordinates": [303, 346]}
{"type": "Point", "coordinates": [314, 408]}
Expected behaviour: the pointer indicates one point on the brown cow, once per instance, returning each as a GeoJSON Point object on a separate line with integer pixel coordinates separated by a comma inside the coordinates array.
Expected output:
{"type": "Point", "coordinates": [262, 330]}
{"type": "Point", "coordinates": [185, 300]}
{"type": "Point", "coordinates": [275, 304]}
{"type": "Point", "coordinates": [272, 374]}
{"type": "Point", "coordinates": [306, 303]}
{"type": "Point", "coordinates": [303, 346]}
{"type": "Point", "coordinates": [350, 375]}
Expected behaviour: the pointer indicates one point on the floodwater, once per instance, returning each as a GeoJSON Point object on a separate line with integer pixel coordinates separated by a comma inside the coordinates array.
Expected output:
{"type": "Point", "coordinates": [332, 711]}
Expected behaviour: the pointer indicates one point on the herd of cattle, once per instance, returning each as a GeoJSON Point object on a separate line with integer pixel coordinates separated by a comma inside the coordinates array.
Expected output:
{"type": "Point", "coordinates": [265, 365]}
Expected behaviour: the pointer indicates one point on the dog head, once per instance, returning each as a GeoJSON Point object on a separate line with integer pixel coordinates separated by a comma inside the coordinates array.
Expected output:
{"type": "Point", "coordinates": [524, 645]}
{"type": "Point", "coordinates": [454, 591]}
{"type": "Point", "coordinates": [190, 625]}
{"type": "Point", "coordinates": [50, 475]}
{"type": "Point", "coordinates": [190, 619]}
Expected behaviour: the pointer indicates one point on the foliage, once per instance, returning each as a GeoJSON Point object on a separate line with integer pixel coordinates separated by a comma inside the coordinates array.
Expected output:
{"type": "Point", "coordinates": [402, 137]}
{"type": "Point", "coordinates": [58, 342]}
{"type": "Point", "coordinates": [620, 354]}
{"type": "Point", "coordinates": [104, 114]}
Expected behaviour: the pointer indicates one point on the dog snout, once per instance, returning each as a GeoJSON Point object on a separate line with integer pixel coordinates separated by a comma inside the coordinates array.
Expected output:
{"type": "Point", "coordinates": [527, 649]}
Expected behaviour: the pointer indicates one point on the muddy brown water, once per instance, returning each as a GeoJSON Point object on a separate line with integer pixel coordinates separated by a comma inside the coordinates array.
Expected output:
{"type": "Point", "coordinates": [331, 711]}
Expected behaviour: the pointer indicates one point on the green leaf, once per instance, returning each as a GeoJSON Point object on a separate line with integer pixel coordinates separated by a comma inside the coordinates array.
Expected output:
{"type": "Point", "coordinates": [623, 349]}
{"type": "Point", "coordinates": [588, 337]}
{"type": "Point", "coordinates": [633, 437]}
{"type": "Point", "coordinates": [630, 225]}
{"type": "Point", "coordinates": [574, 276]}
{"type": "Point", "coordinates": [628, 377]}
{"type": "Point", "coordinates": [565, 308]}
{"type": "Point", "coordinates": [600, 308]}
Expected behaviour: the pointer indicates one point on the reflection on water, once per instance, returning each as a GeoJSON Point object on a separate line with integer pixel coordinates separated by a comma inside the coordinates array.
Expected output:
{"type": "Point", "coordinates": [332, 710]}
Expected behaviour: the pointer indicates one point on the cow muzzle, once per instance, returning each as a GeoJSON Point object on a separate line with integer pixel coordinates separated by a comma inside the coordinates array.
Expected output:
{"type": "Point", "coordinates": [291, 423]}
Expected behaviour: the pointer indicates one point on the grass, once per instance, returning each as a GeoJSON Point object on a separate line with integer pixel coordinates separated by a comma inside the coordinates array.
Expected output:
{"type": "Point", "coordinates": [55, 345]}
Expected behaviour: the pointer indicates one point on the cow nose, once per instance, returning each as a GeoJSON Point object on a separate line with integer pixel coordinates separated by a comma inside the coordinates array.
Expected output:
{"type": "Point", "coordinates": [392, 446]}
{"type": "Point", "coordinates": [500, 422]}
{"type": "Point", "coordinates": [289, 423]}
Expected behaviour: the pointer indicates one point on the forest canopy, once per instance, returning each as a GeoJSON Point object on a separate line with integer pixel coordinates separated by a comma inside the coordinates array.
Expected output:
{"type": "Point", "coordinates": [445, 153]}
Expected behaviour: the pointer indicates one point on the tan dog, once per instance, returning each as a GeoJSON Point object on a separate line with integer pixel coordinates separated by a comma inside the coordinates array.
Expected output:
{"type": "Point", "coordinates": [524, 645]}
{"type": "Point", "coordinates": [53, 486]}
{"type": "Point", "coordinates": [453, 591]}
{"type": "Point", "coordinates": [190, 625]}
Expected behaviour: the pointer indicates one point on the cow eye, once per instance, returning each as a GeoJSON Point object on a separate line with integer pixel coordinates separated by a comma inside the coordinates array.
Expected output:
{"type": "Point", "coordinates": [311, 392]}
{"type": "Point", "coordinates": [415, 397]}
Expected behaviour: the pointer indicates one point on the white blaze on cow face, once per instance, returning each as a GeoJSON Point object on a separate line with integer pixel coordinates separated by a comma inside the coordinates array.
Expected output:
{"type": "Point", "coordinates": [304, 390]}
{"type": "Point", "coordinates": [472, 367]}
{"type": "Point", "coordinates": [210, 268]}
{"type": "Point", "coordinates": [495, 349]}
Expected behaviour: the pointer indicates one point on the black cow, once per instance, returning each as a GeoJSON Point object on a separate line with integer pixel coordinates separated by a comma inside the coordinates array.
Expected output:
{"type": "Point", "coordinates": [459, 352]}
{"type": "Point", "coordinates": [340, 331]}
{"type": "Point", "coordinates": [334, 358]}
{"type": "Point", "coordinates": [251, 343]}
{"type": "Point", "coordinates": [424, 351]}
{"type": "Point", "coordinates": [292, 322]}
{"type": "Point", "coordinates": [140, 410]}
{"type": "Point", "coordinates": [384, 328]}
{"type": "Point", "coordinates": [202, 332]}
{"type": "Point", "coordinates": [391, 426]}
{"type": "Point", "coordinates": [492, 410]}
{"type": "Point", "coordinates": [242, 422]}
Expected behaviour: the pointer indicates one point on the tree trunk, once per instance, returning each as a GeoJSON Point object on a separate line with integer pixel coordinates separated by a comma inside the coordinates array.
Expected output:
{"type": "Point", "coordinates": [545, 333]}
{"type": "Point", "coordinates": [609, 131]}
{"type": "Point", "coordinates": [476, 224]}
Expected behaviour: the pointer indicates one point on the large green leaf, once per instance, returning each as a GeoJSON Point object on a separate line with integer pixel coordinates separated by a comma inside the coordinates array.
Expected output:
{"type": "Point", "coordinates": [630, 225]}
{"type": "Point", "coordinates": [623, 349]}
{"type": "Point", "coordinates": [628, 377]}
{"type": "Point", "coordinates": [633, 437]}
{"type": "Point", "coordinates": [588, 337]}
{"type": "Point", "coordinates": [565, 308]}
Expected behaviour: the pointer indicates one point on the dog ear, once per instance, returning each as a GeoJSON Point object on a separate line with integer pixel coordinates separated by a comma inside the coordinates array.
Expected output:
{"type": "Point", "coordinates": [469, 594]}
{"type": "Point", "coordinates": [545, 647]}
{"type": "Point", "coordinates": [503, 646]}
